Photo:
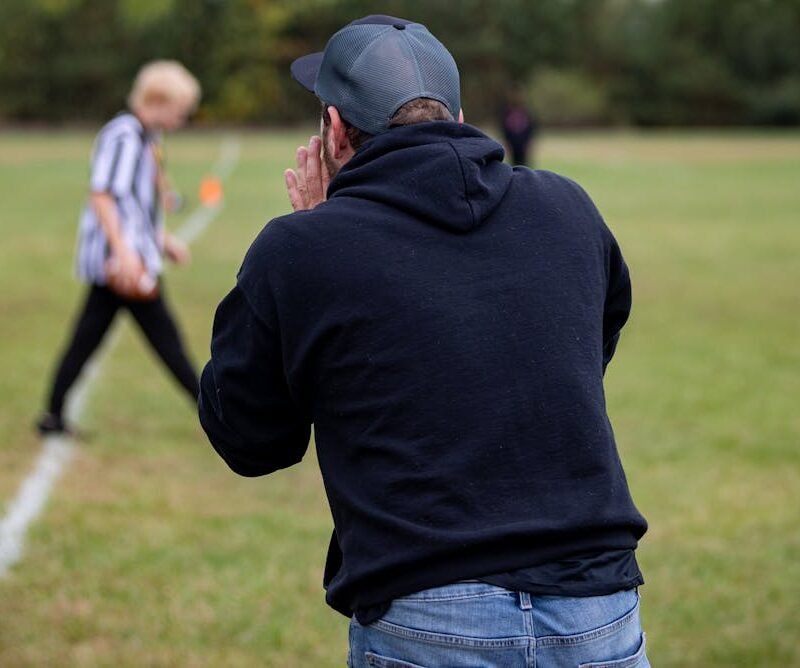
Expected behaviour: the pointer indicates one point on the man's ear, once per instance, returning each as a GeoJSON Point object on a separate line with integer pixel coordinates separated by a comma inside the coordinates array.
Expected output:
{"type": "Point", "coordinates": [338, 143]}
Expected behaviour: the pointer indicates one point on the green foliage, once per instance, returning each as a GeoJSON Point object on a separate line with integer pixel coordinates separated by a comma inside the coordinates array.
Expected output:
{"type": "Point", "coordinates": [567, 97]}
{"type": "Point", "coordinates": [647, 62]}
{"type": "Point", "coordinates": [144, 12]}
{"type": "Point", "coordinates": [776, 104]}
{"type": "Point", "coordinates": [707, 61]}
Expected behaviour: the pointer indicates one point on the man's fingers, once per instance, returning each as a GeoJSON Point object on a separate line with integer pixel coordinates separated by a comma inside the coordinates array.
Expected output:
{"type": "Point", "coordinates": [295, 197]}
{"type": "Point", "coordinates": [326, 180]}
{"type": "Point", "coordinates": [314, 172]}
{"type": "Point", "coordinates": [302, 158]}
{"type": "Point", "coordinates": [308, 184]}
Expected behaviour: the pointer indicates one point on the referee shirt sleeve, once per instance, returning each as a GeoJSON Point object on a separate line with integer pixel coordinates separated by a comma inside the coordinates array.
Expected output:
{"type": "Point", "coordinates": [245, 406]}
{"type": "Point", "coordinates": [115, 162]}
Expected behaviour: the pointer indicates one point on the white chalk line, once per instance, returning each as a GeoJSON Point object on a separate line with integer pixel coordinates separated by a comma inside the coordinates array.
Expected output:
{"type": "Point", "coordinates": [58, 449]}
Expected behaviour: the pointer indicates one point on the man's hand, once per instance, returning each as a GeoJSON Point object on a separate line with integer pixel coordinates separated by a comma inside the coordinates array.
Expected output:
{"type": "Point", "coordinates": [308, 184]}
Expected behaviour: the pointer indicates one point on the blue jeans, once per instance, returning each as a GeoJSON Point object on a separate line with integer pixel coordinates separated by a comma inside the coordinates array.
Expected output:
{"type": "Point", "coordinates": [479, 625]}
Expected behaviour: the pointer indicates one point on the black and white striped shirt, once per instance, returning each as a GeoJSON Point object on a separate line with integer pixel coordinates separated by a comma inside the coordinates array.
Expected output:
{"type": "Point", "coordinates": [124, 166]}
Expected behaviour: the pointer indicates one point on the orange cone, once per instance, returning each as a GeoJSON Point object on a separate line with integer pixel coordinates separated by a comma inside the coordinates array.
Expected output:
{"type": "Point", "coordinates": [210, 193]}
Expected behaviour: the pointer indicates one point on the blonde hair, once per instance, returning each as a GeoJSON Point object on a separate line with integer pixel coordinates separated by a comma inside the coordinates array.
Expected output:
{"type": "Point", "coordinates": [164, 80]}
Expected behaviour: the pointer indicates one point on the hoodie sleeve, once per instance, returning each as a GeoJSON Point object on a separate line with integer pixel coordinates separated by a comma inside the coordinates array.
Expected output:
{"type": "Point", "coordinates": [617, 305]}
{"type": "Point", "coordinates": [245, 406]}
{"type": "Point", "coordinates": [618, 301]}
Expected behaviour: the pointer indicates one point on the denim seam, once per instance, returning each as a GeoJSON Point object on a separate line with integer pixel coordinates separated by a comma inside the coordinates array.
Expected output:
{"type": "Point", "coordinates": [449, 640]}
{"type": "Point", "coordinates": [452, 597]}
{"type": "Point", "coordinates": [530, 649]}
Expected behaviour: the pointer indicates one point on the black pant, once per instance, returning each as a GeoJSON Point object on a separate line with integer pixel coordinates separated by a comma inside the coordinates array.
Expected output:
{"type": "Point", "coordinates": [98, 312]}
{"type": "Point", "coordinates": [519, 151]}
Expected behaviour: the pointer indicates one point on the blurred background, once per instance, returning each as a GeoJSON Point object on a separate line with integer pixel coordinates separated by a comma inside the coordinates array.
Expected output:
{"type": "Point", "coordinates": [679, 117]}
{"type": "Point", "coordinates": [580, 62]}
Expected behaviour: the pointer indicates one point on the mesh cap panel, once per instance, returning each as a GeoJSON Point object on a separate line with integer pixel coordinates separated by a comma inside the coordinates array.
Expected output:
{"type": "Point", "coordinates": [369, 71]}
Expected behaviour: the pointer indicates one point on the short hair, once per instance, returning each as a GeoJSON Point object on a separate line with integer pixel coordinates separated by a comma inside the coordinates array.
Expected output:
{"type": "Point", "coordinates": [164, 80]}
{"type": "Point", "coordinates": [418, 110]}
{"type": "Point", "coordinates": [421, 110]}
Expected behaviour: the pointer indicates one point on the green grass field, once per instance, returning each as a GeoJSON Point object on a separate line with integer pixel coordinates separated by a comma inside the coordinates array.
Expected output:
{"type": "Point", "coordinates": [151, 553]}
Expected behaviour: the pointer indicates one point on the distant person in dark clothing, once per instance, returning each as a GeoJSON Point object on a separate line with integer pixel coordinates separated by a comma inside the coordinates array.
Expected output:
{"type": "Point", "coordinates": [444, 321]}
{"type": "Point", "coordinates": [519, 128]}
{"type": "Point", "coordinates": [122, 236]}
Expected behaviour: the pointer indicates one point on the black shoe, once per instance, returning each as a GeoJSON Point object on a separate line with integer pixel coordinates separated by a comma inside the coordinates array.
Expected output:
{"type": "Point", "coordinates": [52, 425]}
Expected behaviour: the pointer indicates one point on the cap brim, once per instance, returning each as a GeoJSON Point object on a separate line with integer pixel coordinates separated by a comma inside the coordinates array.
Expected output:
{"type": "Point", "coordinates": [305, 69]}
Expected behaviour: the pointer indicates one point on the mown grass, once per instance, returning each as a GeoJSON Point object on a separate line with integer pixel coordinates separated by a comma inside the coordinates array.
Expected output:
{"type": "Point", "coordinates": [151, 552]}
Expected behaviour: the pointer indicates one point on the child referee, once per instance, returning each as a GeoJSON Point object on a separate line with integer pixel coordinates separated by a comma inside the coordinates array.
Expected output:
{"type": "Point", "coordinates": [122, 237]}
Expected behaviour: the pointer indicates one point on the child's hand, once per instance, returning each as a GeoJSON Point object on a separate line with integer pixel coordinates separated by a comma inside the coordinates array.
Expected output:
{"type": "Point", "coordinates": [176, 250]}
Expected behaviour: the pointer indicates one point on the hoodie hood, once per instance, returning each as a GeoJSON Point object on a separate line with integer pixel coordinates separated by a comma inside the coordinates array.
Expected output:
{"type": "Point", "coordinates": [448, 174]}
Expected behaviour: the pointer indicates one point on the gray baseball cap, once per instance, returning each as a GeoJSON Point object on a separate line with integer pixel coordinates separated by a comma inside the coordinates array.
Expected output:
{"type": "Point", "coordinates": [374, 65]}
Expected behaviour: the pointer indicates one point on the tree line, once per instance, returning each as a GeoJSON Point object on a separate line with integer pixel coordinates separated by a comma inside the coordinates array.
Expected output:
{"type": "Point", "coordinates": [622, 62]}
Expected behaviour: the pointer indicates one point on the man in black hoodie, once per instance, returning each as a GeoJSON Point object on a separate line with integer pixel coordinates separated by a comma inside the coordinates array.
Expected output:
{"type": "Point", "coordinates": [444, 321]}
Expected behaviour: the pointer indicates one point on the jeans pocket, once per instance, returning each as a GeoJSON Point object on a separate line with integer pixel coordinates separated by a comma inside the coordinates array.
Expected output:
{"type": "Point", "coordinates": [379, 661]}
{"type": "Point", "coordinates": [637, 660]}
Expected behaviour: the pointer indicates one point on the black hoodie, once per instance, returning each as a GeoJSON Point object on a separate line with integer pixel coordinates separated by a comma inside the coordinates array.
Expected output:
{"type": "Point", "coordinates": [444, 321]}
